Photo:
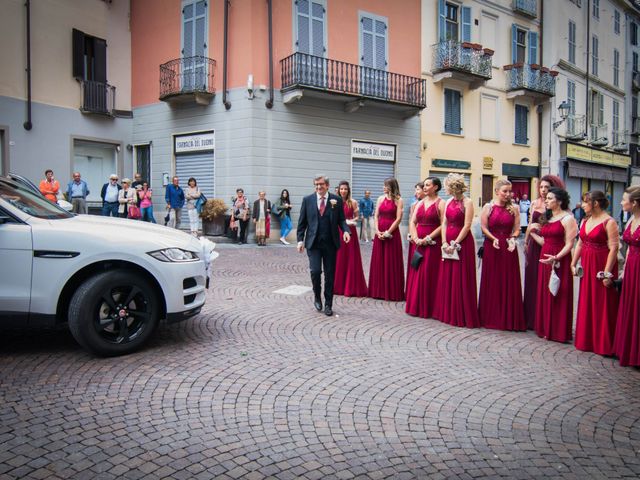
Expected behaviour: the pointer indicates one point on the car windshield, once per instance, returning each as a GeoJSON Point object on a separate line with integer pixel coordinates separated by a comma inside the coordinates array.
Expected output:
{"type": "Point", "coordinates": [30, 203]}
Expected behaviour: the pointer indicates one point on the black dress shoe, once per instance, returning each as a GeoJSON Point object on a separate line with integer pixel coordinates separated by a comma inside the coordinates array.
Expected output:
{"type": "Point", "coordinates": [327, 310]}
{"type": "Point", "coordinates": [318, 304]}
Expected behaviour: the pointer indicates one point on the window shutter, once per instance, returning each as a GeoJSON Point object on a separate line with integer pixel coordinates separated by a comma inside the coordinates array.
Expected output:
{"type": "Point", "coordinates": [600, 109]}
{"type": "Point", "coordinates": [317, 30]}
{"type": "Point", "coordinates": [533, 48]}
{"type": "Point", "coordinates": [522, 113]}
{"type": "Point", "coordinates": [187, 31]}
{"type": "Point", "coordinates": [514, 43]}
{"type": "Point", "coordinates": [448, 111]}
{"type": "Point", "coordinates": [380, 38]}
{"type": "Point", "coordinates": [457, 123]}
{"type": "Point", "coordinates": [78, 53]}
{"type": "Point", "coordinates": [304, 29]}
{"type": "Point", "coordinates": [442, 23]}
{"type": "Point", "coordinates": [466, 24]}
{"type": "Point", "coordinates": [367, 42]}
{"type": "Point", "coordinates": [100, 55]}
{"type": "Point", "coordinates": [200, 43]}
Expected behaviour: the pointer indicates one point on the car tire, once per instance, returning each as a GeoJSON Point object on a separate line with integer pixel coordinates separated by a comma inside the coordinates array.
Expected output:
{"type": "Point", "coordinates": [113, 313]}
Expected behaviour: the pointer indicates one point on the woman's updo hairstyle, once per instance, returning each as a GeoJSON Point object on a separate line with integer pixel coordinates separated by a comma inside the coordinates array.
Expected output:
{"type": "Point", "coordinates": [434, 181]}
{"type": "Point", "coordinates": [596, 196]}
{"type": "Point", "coordinates": [455, 183]}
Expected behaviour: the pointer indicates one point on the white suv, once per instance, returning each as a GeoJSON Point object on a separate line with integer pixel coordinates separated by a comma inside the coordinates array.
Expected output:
{"type": "Point", "coordinates": [111, 279]}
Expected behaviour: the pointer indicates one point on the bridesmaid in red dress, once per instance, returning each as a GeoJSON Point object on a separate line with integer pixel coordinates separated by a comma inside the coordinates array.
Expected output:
{"type": "Point", "coordinates": [418, 195]}
{"type": "Point", "coordinates": [500, 303]}
{"type": "Point", "coordinates": [386, 274]}
{"type": "Point", "coordinates": [457, 301]}
{"type": "Point", "coordinates": [554, 314]}
{"type": "Point", "coordinates": [597, 249]}
{"type": "Point", "coordinates": [627, 339]}
{"type": "Point", "coordinates": [349, 277]}
{"type": "Point", "coordinates": [425, 228]}
{"type": "Point", "coordinates": [532, 249]}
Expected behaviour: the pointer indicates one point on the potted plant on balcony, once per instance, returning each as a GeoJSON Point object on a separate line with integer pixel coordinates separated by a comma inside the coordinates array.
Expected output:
{"type": "Point", "coordinates": [534, 66]}
{"type": "Point", "coordinates": [213, 217]}
{"type": "Point", "coordinates": [489, 52]}
{"type": "Point", "coordinates": [553, 73]}
{"type": "Point", "coordinates": [513, 66]}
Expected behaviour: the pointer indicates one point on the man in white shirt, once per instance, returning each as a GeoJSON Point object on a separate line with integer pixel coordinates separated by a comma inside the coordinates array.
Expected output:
{"type": "Point", "coordinates": [109, 195]}
{"type": "Point", "coordinates": [525, 205]}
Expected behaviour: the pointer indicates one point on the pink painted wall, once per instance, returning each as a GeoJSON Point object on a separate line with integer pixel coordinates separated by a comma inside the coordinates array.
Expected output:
{"type": "Point", "coordinates": [156, 30]}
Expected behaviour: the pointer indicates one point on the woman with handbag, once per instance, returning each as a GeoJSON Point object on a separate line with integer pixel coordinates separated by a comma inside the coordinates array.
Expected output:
{"type": "Point", "coordinates": [240, 215]}
{"type": "Point", "coordinates": [554, 313]}
{"type": "Point", "coordinates": [191, 195]}
{"type": "Point", "coordinates": [532, 249]}
{"type": "Point", "coordinates": [597, 250]}
{"type": "Point", "coordinates": [627, 337]}
{"type": "Point", "coordinates": [500, 303]}
{"type": "Point", "coordinates": [386, 274]}
{"type": "Point", "coordinates": [425, 227]}
{"type": "Point", "coordinates": [127, 197]}
{"type": "Point", "coordinates": [456, 302]}
{"type": "Point", "coordinates": [349, 274]}
{"type": "Point", "coordinates": [146, 203]}
{"type": "Point", "coordinates": [417, 198]}
{"type": "Point", "coordinates": [283, 210]}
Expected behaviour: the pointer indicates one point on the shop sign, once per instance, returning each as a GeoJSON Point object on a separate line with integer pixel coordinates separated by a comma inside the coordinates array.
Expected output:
{"type": "Point", "coordinates": [373, 151]}
{"type": "Point", "coordinates": [623, 161]}
{"type": "Point", "coordinates": [487, 163]}
{"type": "Point", "coordinates": [585, 154]}
{"type": "Point", "coordinates": [194, 142]}
{"type": "Point", "coordinates": [458, 164]}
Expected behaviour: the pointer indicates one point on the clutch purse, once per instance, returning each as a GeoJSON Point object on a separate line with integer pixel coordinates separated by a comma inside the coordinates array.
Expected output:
{"type": "Point", "coordinates": [450, 256]}
{"type": "Point", "coordinates": [416, 259]}
{"type": "Point", "coordinates": [554, 281]}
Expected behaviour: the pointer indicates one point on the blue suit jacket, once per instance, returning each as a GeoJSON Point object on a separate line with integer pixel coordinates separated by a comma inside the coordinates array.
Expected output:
{"type": "Point", "coordinates": [308, 221]}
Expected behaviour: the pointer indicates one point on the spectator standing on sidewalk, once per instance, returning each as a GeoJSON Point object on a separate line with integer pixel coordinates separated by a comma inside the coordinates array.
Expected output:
{"type": "Point", "coordinates": [174, 196]}
{"type": "Point", "coordinates": [240, 213]}
{"type": "Point", "coordinates": [524, 207]}
{"type": "Point", "coordinates": [77, 192]}
{"type": "Point", "coordinates": [282, 208]}
{"type": "Point", "coordinates": [49, 187]}
{"type": "Point", "coordinates": [261, 212]}
{"type": "Point", "coordinates": [192, 194]}
{"type": "Point", "coordinates": [109, 195]}
{"type": "Point", "coordinates": [366, 208]}
{"type": "Point", "coordinates": [127, 196]}
{"type": "Point", "coordinates": [145, 195]}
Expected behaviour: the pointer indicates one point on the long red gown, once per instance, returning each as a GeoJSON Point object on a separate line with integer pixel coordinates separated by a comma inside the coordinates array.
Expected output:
{"type": "Point", "coordinates": [421, 283]}
{"type": "Point", "coordinates": [627, 338]}
{"type": "Point", "coordinates": [386, 274]}
{"type": "Point", "coordinates": [349, 277]}
{"type": "Point", "coordinates": [456, 302]}
{"type": "Point", "coordinates": [597, 304]}
{"type": "Point", "coordinates": [500, 303]}
{"type": "Point", "coordinates": [532, 261]}
{"type": "Point", "coordinates": [411, 249]}
{"type": "Point", "coordinates": [554, 315]}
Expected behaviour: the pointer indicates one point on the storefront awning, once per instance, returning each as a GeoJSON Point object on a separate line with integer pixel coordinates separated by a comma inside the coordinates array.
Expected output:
{"type": "Point", "coordinates": [598, 172]}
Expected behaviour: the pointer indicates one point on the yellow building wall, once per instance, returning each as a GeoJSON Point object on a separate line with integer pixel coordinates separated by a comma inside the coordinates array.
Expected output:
{"type": "Point", "coordinates": [52, 22]}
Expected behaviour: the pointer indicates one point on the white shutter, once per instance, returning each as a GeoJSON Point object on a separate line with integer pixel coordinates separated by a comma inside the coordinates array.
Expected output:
{"type": "Point", "coordinates": [369, 175]}
{"type": "Point", "coordinates": [201, 167]}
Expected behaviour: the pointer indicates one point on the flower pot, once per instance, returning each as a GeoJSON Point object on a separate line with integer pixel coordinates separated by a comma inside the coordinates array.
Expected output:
{"type": "Point", "coordinates": [489, 52]}
{"type": "Point", "coordinates": [215, 227]}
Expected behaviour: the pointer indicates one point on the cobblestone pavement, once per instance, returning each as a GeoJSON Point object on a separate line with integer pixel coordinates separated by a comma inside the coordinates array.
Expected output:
{"type": "Point", "coordinates": [260, 385]}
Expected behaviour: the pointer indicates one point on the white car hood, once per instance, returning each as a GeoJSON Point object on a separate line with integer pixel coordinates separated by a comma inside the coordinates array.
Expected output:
{"type": "Point", "coordinates": [112, 231]}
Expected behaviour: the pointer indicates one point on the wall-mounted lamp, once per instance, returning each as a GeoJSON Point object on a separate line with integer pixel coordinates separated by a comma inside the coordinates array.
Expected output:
{"type": "Point", "coordinates": [563, 110]}
{"type": "Point", "coordinates": [524, 160]}
{"type": "Point", "coordinates": [250, 86]}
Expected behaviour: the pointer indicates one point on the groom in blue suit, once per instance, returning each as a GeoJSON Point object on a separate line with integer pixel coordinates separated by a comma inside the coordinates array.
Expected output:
{"type": "Point", "coordinates": [321, 214]}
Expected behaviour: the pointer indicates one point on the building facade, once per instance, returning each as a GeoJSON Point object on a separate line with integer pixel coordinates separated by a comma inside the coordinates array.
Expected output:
{"type": "Point", "coordinates": [488, 89]}
{"type": "Point", "coordinates": [590, 45]}
{"type": "Point", "coordinates": [65, 90]}
{"type": "Point", "coordinates": [265, 95]}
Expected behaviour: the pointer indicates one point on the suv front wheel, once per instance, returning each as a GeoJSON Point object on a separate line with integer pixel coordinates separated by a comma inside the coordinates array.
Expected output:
{"type": "Point", "coordinates": [113, 313]}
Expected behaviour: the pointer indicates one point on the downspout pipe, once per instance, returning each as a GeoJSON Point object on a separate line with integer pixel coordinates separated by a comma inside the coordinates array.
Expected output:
{"type": "Point", "coordinates": [28, 125]}
{"type": "Point", "coordinates": [540, 107]}
{"type": "Point", "coordinates": [588, 113]}
{"type": "Point", "coordinates": [269, 103]}
{"type": "Point", "coordinates": [227, 103]}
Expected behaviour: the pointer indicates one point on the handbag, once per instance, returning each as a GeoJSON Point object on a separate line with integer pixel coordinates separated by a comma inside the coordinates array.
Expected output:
{"type": "Point", "coordinates": [481, 252]}
{"type": "Point", "coordinates": [450, 256]}
{"type": "Point", "coordinates": [200, 202]}
{"type": "Point", "coordinates": [554, 280]}
{"type": "Point", "coordinates": [133, 212]}
{"type": "Point", "coordinates": [416, 259]}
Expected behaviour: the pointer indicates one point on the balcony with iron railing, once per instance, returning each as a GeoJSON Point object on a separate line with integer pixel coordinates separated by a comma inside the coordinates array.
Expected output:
{"type": "Point", "coordinates": [575, 127]}
{"type": "Point", "coordinates": [598, 135]}
{"type": "Point", "coordinates": [186, 79]}
{"type": "Point", "coordinates": [97, 97]}
{"type": "Point", "coordinates": [465, 61]}
{"type": "Point", "coordinates": [304, 74]}
{"type": "Point", "coordinates": [528, 8]}
{"type": "Point", "coordinates": [620, 140]}
{"type": "Point", "coordinates": [530, 80]}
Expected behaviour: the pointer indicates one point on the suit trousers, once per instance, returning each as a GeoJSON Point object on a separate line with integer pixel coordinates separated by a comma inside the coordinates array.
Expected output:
{"type": "Point", "coordinates": [322, 256]}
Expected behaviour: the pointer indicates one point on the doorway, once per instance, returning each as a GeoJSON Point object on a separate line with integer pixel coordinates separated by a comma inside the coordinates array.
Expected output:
{"type": "Point", "coordinates": [487, 189]}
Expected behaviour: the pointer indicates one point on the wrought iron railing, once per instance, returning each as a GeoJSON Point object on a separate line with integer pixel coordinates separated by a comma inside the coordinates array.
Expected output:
{"type": "Point", "coordinates": [309, 71]}
{"type": "Point", "coordinates": [462, 56]}
{"type": "Point", "coordinates": [97, 97]}
{"type": "Point", "coordinates": [531, 77]}
{"type": "Point", "coordinates": [620, 139]}
{"type": "Point", "coordinates": [575, 127]}
{"type": "Point", "coordinates": [526, 7]}
{"type": "Point", "coordinates": [598, 134]}
{"type": "Point", "coordinates": [187, 75]}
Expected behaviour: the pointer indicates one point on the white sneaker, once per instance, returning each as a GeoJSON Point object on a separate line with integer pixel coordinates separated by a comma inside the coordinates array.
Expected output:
{"type": "Point", "coordinates": [283, 241]}
{"type": "Point", "coordinates": [287, 243]}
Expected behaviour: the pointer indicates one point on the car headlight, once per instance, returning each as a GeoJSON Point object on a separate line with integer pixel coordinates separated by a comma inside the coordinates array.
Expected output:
{"type": "Point", "coordinates": [174, 255]}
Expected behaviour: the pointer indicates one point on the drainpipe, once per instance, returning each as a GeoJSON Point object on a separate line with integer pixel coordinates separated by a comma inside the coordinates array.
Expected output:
{"type": "Point", "coordinates": [587, 113]}
{"type": "Point", "coordinates": [269, 103]}
{"type": "Point", "coordinates": [227, 104]}
{"type": "Point", "coordinates": [540, 108]}
{"type": "Point", "coordinates": [28, 125]}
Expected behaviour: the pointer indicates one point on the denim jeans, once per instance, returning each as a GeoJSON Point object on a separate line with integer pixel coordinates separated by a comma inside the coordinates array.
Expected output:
{"type": "Point", "coordinates": [285, 226]}
{"type": "Point", "coordinates": [110, 209]}
{"type": "Point", "coordinates": [147, 214]}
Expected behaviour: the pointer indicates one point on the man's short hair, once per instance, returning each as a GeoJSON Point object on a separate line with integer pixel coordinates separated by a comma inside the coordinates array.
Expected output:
{"type": "Point", "coordinates": [47, 171]}
{"type": "Point", "coordinates": [321, 177]}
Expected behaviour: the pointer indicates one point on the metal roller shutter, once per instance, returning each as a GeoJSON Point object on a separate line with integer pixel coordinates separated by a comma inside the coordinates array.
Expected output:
{"type": "Point", "coordinates": [442, 176]}
{"type": "Point", "coordinates": [369, 175]}
{"type": "Point", "coordinates": [201, 167]}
